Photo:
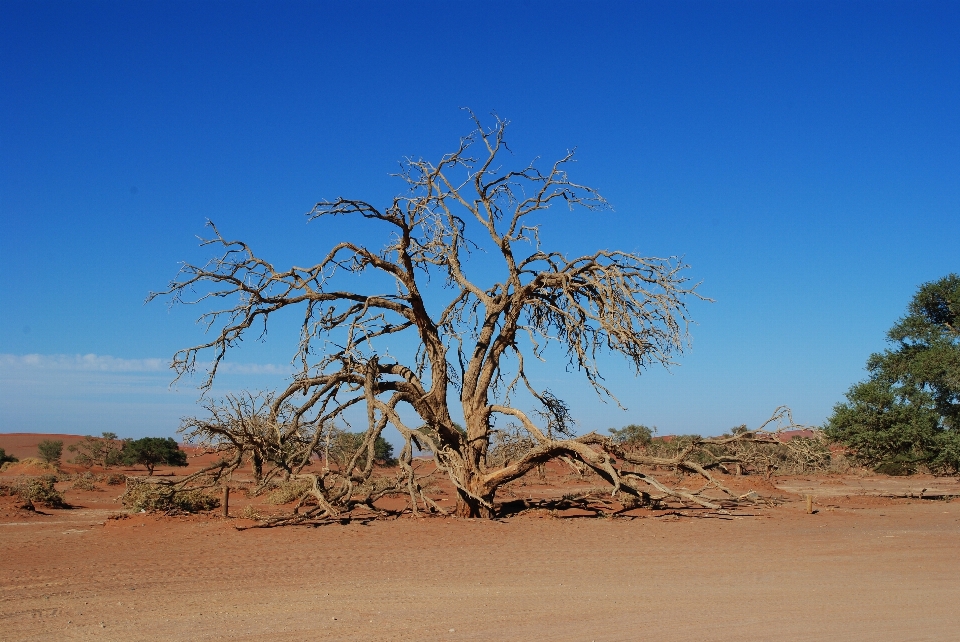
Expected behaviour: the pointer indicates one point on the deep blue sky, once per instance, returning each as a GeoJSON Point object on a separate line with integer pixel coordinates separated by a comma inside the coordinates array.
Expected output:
{"type": "Point", "coordinates": [804, 158]}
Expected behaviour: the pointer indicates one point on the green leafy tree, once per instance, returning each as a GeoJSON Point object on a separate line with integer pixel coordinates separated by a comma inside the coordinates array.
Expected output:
{"type": "Point", "coordinates": [907, 413]}
{"type": "Point", "coordinates": [153, 451]}
{"type": "Point", "coordinates": [104, 451]}
{"type": "Point", "coordinates": [635, 435]}
{"type": "Point", "coordinates": [343, 446]}
{"type": "Point", "coordinates": [50, 450]}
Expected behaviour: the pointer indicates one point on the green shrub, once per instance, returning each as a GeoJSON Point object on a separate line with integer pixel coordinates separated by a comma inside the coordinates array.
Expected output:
{"type": "Point", "coordinates": [50, 450]}
{"type": "Point", "coordinates": [4, 457]}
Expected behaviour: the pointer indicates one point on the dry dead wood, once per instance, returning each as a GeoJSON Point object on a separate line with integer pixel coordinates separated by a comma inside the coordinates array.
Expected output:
{"type": "Point", "coordinates": [472, 347]}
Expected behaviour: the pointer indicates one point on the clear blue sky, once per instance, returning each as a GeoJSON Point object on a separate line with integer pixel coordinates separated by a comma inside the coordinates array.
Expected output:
{"type": "Point", "coordinates": [804, 158]}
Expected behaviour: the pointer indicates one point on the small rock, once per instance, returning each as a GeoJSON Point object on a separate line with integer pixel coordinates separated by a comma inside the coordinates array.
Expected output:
{"type": "Point", "coordinates": [452, 630]}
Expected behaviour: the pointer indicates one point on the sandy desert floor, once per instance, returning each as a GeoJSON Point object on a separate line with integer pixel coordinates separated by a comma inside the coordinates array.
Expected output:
{"type": "Point", "coordinates": [862, 568]}
{"type": "Point", "coordinates": [875, 562]}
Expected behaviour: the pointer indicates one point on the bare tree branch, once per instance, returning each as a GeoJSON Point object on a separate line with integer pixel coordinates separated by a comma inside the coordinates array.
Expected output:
{"type": "Point", "coordinates": [606, 301]}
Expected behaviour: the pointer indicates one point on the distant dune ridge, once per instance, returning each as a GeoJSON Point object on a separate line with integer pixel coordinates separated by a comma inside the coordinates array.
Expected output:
{"type": "Point", "coordinates": [24, 444]}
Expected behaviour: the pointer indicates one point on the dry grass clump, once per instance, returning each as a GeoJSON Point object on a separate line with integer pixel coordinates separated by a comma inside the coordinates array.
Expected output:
{"type": "Point", "coordinates": [288, 491]}
{"type": "Point", "coordinates": [249, 512]}
{"type": "Point", "coordinates": [31, 462]}
{"type": "Point", "coordinates": [380, 486]}
{"type": "Point", "coordinates": [301, 490]}
{"type": "Point", "coordinates": [164, 496]}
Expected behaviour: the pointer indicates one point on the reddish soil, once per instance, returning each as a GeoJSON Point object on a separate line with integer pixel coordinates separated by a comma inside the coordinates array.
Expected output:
{"type": "Point", "coordinates": [866, 566]}
{"type": "Point", "coordinates": [24, 444]}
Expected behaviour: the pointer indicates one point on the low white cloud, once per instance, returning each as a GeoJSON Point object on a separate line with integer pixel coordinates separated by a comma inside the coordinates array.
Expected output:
{"type": "Point", "coordinates": [96, 362]}
{"type": "Point", "coordinates": [87, 394]}
{"type": "Point", "coordinates": [106, 363]}
{"type": "Point", "coordinates": [249, 368]}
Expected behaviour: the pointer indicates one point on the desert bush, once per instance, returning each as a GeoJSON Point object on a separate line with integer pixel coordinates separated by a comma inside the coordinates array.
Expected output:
{"type": "Point", "coordinates": [41, 490]}
{"type": "Point", "coordinates": [50, 450]}
{"type": "Point", "coordinates": [115, 479]}
{"type": "Point", "coordinates": [195, 500]}
{"type": "Point", "coordinates": [5, 458]}
{"type": "Point", "coordinates": [670, 447]}
{"type": "Point", "coordinates": [899, 465]}
{"type": "Point", "coordinates": [809, 454]}
{"type": "Point", "coordinates": [796, 456]}
{"type": "Point", "coordinates": [840, 463]}
{"type": "Point", "coordinates": [164, 496]}
{"type": "Point", "coordinates": [86, 481]}
{"type": "Point", "coordinates": [288, 491]}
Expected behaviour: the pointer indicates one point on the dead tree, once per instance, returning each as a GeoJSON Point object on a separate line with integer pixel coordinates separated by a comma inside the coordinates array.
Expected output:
{"type": "Point", "coordinates": [475, 344]}
{"type": "Point", "coordinates": [246, 427]}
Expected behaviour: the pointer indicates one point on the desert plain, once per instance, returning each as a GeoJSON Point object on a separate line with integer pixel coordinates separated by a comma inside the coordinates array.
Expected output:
{"type": "Point", "coordinates": [878, 559]}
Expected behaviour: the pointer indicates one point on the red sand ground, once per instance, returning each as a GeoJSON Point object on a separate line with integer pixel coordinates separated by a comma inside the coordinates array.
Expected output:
{"type": "Point", "coordinates": [864, 567]}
